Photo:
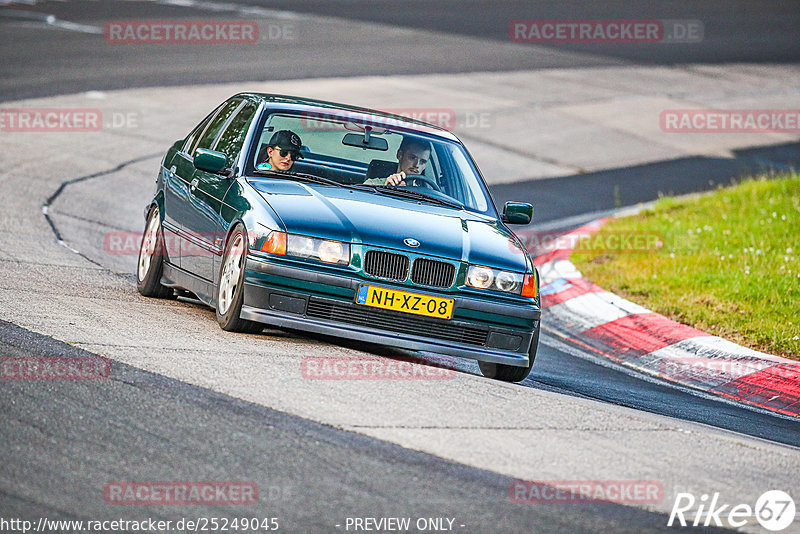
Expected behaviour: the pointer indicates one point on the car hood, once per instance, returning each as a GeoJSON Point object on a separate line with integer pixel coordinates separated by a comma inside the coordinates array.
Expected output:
{"type": "Point", "coordinates": [383, 221]}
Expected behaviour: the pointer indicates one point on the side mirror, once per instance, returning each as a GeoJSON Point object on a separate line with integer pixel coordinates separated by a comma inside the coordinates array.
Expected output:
{"type": "Point", "coordinates": [517, 213]}
{"type": "Point", "coordinates": [210, 160]}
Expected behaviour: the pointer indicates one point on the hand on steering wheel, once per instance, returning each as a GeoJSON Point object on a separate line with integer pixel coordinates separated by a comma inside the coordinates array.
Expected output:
{"type": "Point", "coordinates": [427, 181]}
{"type": "Point", "coordinates": [397, 179]}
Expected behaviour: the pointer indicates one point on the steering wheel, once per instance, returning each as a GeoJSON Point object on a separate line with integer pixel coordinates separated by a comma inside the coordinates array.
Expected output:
{"type": "Point", "coordinates": [427, 180]}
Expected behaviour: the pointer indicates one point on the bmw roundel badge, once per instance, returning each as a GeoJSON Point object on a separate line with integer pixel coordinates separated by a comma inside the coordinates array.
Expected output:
{"type": "Point", "coordinates": [411, 242]}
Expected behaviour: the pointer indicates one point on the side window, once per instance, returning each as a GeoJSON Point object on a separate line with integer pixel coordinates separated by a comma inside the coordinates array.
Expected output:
{"type": "Point", "coordinates": [191, 141]}
{"type": "Point", "coordinates": [467, 180]}
{"type": "Point", "coordinates": [230, 142]}
{"type": "Point", "coordinates": [212, 130]}
{"type": "Point", "coordinates": [432, 169]}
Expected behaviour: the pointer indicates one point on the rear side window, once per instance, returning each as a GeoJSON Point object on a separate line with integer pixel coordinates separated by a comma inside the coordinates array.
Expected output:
{"type": "Point", "coordinates": [231, 140]}
{"type": "Point", "coordinates": [191, 140]}
{"type": "Point", "coordinates": [212, 130]}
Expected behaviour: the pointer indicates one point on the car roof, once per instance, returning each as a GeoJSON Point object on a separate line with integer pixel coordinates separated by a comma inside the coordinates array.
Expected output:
{"type": "Point", "coordinates": [323, 108]}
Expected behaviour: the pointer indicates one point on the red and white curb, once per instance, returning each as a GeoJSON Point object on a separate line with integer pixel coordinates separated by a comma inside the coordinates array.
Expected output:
{"type": "Point", "coordinates": [582, 312]}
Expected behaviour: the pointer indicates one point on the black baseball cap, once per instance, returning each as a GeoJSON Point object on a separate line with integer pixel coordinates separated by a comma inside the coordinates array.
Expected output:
{"type": "Point", "coordinates": [287, 140]}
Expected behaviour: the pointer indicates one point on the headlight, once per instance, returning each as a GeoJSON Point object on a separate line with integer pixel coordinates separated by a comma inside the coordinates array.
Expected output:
{"type": "Point", "coordinates": [480, 277]}
{"type": "Point", "coordinates": [318, 249]}
{"type": "Point", "coordinates": [507, 281]}
{"type": "Point", "coordinates": [301, 246]}
{"type": "Point", "coordinates": [332, 252]}
{"type": "Point", "coordinates": [487, 278]}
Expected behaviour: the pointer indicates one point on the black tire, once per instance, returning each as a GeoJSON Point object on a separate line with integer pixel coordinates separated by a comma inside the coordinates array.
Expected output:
{"type": "Point", "coordinates": [510, 373]}
{"type": "Point", "coordinates": [230, 289]}
{"type": "Point", "coordinates": [150, 262]}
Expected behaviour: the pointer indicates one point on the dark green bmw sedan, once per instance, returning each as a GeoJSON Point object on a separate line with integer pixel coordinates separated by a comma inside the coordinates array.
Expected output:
{"type": "Point", "coordinates": [343, 221]}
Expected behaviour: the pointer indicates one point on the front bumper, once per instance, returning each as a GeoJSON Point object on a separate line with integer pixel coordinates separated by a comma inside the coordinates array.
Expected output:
{"type": "Point", "coordinates": [324, 303]}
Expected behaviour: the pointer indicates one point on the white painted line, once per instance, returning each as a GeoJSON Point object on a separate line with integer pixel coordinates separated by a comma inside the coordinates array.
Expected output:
{"type": "Point", "coordinates": [714, 348]}
{"type": "Point", "coordinates": [593, 309]}
{"type": "Point", "coordinates": [649, 377]}
{"type": "Point", "coordinates": [697, 362]}
{"type": "Point", "coordinates": [74, 26]}
{"type": "Point", "coordinates": [221, 7]}
{"type": "Point", "coordinates": [50, 20]}
{"type": "Point", "coordinates": [554, 270]}
{"type": "Point", "coordinates": [580, 220]}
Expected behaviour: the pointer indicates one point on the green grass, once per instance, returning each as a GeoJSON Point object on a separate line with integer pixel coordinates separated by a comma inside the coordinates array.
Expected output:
{"type": "Point", "coordinates": [728, 264]}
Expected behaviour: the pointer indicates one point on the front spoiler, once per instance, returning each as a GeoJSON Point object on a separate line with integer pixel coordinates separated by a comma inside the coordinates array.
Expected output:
{"type": "Point", "coordinates": [381, 337]}
{"type": "Point", "coordinates": [287, 306]}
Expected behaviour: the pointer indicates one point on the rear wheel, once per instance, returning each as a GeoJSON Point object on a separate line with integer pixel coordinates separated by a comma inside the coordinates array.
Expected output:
{"type": "Point", "coordinates": [151, 259]}
{"type": "Point", "coordinates": [511, 373]}
{"type": "Point", "coordinates": [230, 291]}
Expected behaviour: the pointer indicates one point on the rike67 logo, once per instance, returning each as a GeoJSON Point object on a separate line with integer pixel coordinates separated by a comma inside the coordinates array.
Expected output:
{"type": "Point", "coordinates": [774, 510]}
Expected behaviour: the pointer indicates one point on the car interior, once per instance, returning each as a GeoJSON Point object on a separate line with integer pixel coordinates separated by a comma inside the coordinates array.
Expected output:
{"type": "Point", "coordinates": [343, 170]}
{"type": "Point", "coordinates": [368, 153]}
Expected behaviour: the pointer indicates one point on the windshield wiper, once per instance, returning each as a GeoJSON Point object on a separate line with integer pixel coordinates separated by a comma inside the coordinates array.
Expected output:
{"type": "Point", "coordinates": [311, 178]}
{"type": "Point", "coordinates": [384, 189]}
{"type": "Point", "coordinates": [308, 177]}
{"type": "Point", "coordinates": [417, 196]}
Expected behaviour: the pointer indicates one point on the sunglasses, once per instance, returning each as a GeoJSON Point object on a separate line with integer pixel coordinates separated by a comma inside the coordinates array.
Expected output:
{"type": "Point", "coordinates": [286, 152]}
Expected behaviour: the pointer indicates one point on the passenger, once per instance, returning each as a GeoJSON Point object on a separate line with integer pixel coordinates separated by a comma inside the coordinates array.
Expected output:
{"type": "Point", "coordinates": [412, 158]}
{"type": "Point", "coordinates": [281, 152]}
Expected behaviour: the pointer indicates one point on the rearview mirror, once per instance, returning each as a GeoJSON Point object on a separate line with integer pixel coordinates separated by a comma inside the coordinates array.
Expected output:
{"type": "Point", "coordinates": [210, 160]}
{"type": "Point", "coordinates": [365, 141]}
{"type": "Point", "coordinates": [517, 213]}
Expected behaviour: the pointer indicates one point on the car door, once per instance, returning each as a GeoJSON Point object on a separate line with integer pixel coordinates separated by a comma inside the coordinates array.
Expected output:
{"type": "Point", "coordinates": [230, 143]}
{"type": "Point", "coordinates": [178, 173]}
{"type": "Point", "coordinates": [199, 219]}
{"type": "Point", "coordinates": [207, 191]}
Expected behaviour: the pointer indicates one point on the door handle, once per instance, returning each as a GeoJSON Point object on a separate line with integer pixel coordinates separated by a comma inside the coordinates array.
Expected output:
{"type": "Point", "coordinates": [170, 173]}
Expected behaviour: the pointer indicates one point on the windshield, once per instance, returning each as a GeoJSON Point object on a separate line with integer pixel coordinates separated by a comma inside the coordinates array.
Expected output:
{"type": "Point", "coordinates": [353, 149]}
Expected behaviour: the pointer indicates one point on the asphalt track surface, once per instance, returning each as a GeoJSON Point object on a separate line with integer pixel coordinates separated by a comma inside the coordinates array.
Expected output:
{"type": "Point", "coordinates": [309, 475]}
{"type": "Point", "coordinates": [178, 427]}
{"type": "Point", "coordinates": [39, 60]}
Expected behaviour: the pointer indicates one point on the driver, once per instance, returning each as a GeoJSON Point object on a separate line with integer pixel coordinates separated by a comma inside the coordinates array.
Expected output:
{"type": "Point", "coordinates": [281, 152]}
{"type": "Point", "coordinates": [412, 158]}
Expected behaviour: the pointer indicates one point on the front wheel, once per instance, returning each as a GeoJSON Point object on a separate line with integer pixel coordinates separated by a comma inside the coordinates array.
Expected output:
{"type": "Point", "coordinates": [230, 291]}
{"type": "Point", "coordinates": [511, 373]}
{"type": "Point", "coordinates": [151, 259]}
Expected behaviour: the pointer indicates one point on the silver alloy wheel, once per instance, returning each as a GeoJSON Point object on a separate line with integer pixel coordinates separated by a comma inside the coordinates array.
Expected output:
{"type": "Point", "coordinates": [149, 242]}
{"type": "Point", "coordinates": [231, 271]}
